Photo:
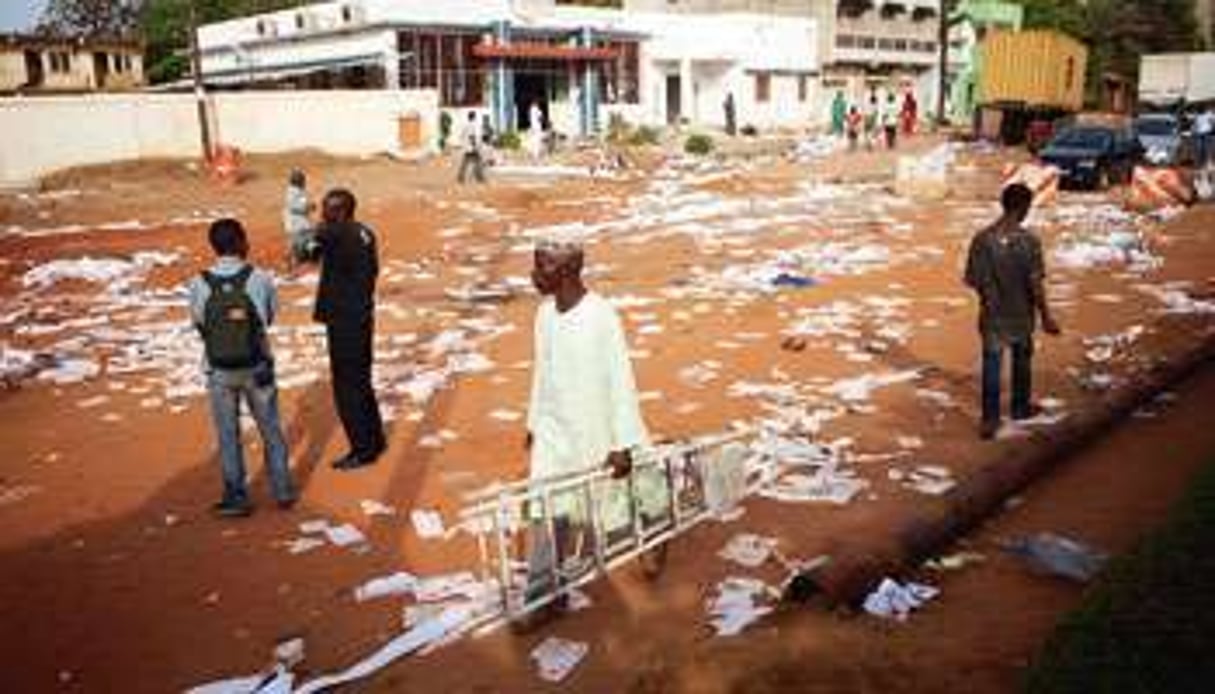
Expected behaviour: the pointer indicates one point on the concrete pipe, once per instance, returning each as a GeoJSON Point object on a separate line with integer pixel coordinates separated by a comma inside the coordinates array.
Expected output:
{"type": "Point", "coordinates": [856, 568]}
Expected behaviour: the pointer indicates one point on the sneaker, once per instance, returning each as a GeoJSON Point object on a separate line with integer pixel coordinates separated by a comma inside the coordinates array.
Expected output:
{"type": "Point", "coordinates": [232, 509]}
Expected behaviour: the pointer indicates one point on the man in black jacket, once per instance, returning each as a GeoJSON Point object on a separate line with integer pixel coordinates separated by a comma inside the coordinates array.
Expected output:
{"type": "Point", "coordinates": [345, 303]}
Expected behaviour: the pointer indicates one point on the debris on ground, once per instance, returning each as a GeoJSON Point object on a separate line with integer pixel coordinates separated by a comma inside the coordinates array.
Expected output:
{"type": "Point", "coordinates": [895, 600]}
{"type": "Point", "coordinates": [427, 524]}
{"type": "Point", "coordinates": [399, 583]}
{"type": "Point", "coordinates": [556, 657]}
{"type": "Point", "coordinates": [748, 550]}
{"type": "Point", "coordinates": [954, 562]}
{"type": "Point", "coordinates": [739, 603]}
{"type": "Point", "coordinates": [1057, 555]}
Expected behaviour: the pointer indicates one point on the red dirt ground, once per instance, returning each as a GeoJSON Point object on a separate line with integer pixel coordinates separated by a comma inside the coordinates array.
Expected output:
{"type": "Point", "coordinates": [117, 579]}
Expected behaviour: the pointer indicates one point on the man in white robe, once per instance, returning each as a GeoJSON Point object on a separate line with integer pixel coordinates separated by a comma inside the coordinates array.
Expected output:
{"type": "Point", "coordinates": [584, 411]}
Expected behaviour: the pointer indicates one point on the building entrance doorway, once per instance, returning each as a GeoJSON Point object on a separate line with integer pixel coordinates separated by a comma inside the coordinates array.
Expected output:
{"type": "Point", "coordinates": [530, 88]}
{"type": "Point", "coordinates": [674, 99]}
{"type": "Point", "coordinates": [34, 74]}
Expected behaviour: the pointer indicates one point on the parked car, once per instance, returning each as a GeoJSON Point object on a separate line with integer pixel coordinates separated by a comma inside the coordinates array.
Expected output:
{"type": "Point", "coordinates": [1162, 139]}
{"type": "Point", "coordinates": [1092, 156]}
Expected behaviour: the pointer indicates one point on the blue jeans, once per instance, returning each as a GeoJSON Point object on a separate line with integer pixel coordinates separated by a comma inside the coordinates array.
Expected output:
{"type": "Point", "coordinates": [256, 387]}
{"type": "Point", "coordinates": [1202, 150]}
{"type": "Point", "coordinates": [1022, 377]}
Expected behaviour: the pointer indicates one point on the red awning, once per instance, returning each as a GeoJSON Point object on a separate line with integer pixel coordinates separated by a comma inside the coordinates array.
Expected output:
{"type": "Point", "coordinates": [542, 51]}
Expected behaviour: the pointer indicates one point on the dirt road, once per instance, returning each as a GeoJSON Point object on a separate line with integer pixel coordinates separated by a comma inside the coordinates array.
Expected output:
{"type": "Point", "coordinates": [116, 577]}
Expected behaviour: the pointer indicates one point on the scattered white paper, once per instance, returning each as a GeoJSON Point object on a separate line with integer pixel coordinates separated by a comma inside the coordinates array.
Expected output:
{"type": "Point", "coordinates": [398, 583]}
{"type": "Point", "coordinates": [427, 524]}
{"type": "Point", "coordinates": [556, 657]}
{"type": "Point", "coordinates": [894, 600]}
{"type": "Point", "coordinates": [748, 550]}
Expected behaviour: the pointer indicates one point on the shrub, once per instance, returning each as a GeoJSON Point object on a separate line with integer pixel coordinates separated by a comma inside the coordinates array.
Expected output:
{"type": "Point", "coordinates": [749, 131]}
{"type": "Point", "coordinates": [618, 129]}
{"type": "Point", "coordinates": [645, 135]}
{"type": "Point", "coordinates": [444, 129]}
{"type": "Point", "coordinates": [509, 140]}
{"type": "Point", "coordinates": [698, 144]}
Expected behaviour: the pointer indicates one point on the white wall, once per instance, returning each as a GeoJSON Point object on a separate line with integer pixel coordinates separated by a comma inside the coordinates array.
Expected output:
{"type": "Point", "coordinates": [45, 134]}
{"type": "Point", "coordinates": [12, 69]}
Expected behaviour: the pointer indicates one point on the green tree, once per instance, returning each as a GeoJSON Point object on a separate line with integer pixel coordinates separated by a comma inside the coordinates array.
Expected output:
{"type": "Point", "coordinates": [90, 17]}
{"type": "Point", "coordinates": [165, 26]}
{"type": "Point", "coordinates": [1118, 32]}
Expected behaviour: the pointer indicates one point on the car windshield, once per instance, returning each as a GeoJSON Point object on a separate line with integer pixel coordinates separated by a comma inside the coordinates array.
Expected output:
{"type": "Point", "coordinates": [1084, 139]}
{"type": "Point", "coordinates": [1156, 126]}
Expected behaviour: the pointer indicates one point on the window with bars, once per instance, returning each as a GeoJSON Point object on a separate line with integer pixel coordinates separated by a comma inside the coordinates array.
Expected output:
{"type": "Point", "coordinates": [620, 83]}
{"type": "Point", "coordinates": [442, 61]}
{"type": "Point", "coordinates": [60, 61]}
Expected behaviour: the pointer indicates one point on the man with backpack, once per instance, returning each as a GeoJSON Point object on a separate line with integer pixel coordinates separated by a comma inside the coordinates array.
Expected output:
{"type": "Point", "coordinates": [231, 305]}
{"type": "Point", "coordinates": [345, 304]}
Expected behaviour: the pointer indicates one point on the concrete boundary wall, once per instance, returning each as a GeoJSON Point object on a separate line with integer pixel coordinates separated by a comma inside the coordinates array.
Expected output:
{"type": "Point", "coordinates": [46, 134]}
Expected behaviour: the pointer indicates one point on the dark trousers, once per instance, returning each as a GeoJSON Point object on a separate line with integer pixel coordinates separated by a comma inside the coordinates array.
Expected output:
{"type": "Point", "coordinates": [350, 357]}
{"type": "Point", "coordinates": [1022, 377]}
{"type": "Point", "coordinates": [473, 160]}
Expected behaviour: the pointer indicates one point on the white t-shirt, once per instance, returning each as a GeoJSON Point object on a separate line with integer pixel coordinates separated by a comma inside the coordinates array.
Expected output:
{"type": "Point", "coordinates": [1204, 123]}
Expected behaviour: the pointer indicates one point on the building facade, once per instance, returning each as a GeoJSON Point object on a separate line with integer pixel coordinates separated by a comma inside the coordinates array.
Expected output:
{"type": "Point", "coordinates": [496, 57]}
{"type": "Point", "coordinates": [969, 26]}
{"type": "Point", "coordinates": [38, 64]}
{"type": "Point", "coordinates": [865, 47]}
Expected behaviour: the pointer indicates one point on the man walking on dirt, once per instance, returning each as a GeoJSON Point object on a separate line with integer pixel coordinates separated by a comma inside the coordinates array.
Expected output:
{"type": "Point", "coordinates": [472, 157]}
{"type": "Point", "coordinates": [345, 303]}
{"type": "Point", "coordinates": [1004, 267]}
{"type": "Point", "coordinates": [584, 412]}
{"type": "Point", "coordinates": [231, 305]}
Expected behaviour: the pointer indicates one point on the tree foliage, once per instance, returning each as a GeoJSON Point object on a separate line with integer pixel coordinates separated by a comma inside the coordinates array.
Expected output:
{"type": "Point", "coordinates": [90, 17]}
{"type": "Point", "coordinates": [163, 24]}
{"type": "Point", "coordinates": [1119, 32]}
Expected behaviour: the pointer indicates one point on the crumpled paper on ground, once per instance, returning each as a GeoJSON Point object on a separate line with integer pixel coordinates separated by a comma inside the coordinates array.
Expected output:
{"type": "Point", "coordinates": [892, 599]}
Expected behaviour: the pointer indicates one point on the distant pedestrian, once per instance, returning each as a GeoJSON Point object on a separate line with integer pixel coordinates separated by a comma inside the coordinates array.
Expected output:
{"type": "Point", "coordinates": [297, 211]}
{"type": "Point", "coordinates": [731, 115]}
{"type": "Point", "coordinates": [1204, 136]}
{"type": "Point", "coordinates": [910, 113]}
{"type": "Point", "coordinates": [1004, 267]}
{"type": "Point", "coordinates": [535, 131]}
{"type": "Point", "coordinates": [871, 120]}
{"type": "Point", "coordinates": [890, 121]}
{"type": "Point", "coordinates": [855, 123]}
{"type": "Point", "coordinates": [345, 303]}
{"type": "Point", "coordinates": [232, 305]}
{"type": "Point", "coordinates": [839, 114]}
{"type": "Point", "coordinates": [473, 155]}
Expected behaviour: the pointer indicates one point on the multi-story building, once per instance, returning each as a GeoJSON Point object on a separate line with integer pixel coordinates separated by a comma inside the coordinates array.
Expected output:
{"type": "Point", "coordinates": [865, 47]}
{"type": "Point", "coordinates": [499, 57]}
{"type": "Point", "coordinates": [883, 46]}
{"type": "Point", "coordinates": [1206, 21]}
{"type": "Point", "coordinates": [38, 64]}
{"type": "Point", "coordinates": [972, 20]}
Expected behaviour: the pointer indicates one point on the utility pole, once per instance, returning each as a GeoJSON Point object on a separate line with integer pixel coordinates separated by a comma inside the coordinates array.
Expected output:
{"type": "Point", "coordinates": [942, 60]}
{"type": "Point", "coordinates": [200, 96]}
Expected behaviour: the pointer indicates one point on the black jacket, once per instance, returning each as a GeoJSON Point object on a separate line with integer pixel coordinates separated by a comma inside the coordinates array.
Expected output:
{"type": "Point", "coordinates": [349, 265]}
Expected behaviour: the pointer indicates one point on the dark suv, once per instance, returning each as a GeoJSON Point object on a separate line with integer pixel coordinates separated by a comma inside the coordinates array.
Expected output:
{"type": "Point", "coordinates": [1093, 156]}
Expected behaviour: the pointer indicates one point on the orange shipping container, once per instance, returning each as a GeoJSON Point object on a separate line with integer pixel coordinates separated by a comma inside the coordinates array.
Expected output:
{"type": "Point", "coordinates": [1037, 68]}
